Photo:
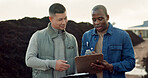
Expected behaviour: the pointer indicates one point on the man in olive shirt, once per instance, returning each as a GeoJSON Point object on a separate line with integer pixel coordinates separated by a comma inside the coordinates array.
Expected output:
{"type": "Point", "coordinates": [51, 51]}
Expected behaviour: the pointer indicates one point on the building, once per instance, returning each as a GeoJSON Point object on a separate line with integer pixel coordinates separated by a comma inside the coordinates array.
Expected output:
{"type": "Point", "coordinates": [140, 30]}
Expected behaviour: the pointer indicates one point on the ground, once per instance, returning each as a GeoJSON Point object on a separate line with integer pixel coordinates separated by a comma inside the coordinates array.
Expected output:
{"type": "Point", "coordinates": [141, 51]}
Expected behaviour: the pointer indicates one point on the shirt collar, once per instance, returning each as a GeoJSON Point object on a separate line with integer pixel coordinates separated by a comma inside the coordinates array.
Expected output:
{"type": "Point", "coordinates": [59, 31]}
{"type": "Point", "coordinates": [52, 31]}
{"type": "Point", "coordinates": [110, 29]}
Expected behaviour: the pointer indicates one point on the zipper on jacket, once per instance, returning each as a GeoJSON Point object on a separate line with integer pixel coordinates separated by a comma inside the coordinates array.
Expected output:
{"type": "Point", "coordinates": [53, 57]}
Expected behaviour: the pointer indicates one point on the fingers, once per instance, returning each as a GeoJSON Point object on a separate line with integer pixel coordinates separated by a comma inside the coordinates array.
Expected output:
{"type": "Point", "coordinates": [93, 52]}
{"type": "Point", "coordinates": [102, 62]}
{"type": "Point", "coordinates": [102, 65]}
{"type": "Point", "coordinates": [61, 65]}
{"type": "Point", "coordinates": [64, 67]}
{"type": "Point", "coordinates": [106, 65]}
{"type": "Point", "coordinates": [95, 66]}
{"type": "Point", "coordinates": [63, 61]}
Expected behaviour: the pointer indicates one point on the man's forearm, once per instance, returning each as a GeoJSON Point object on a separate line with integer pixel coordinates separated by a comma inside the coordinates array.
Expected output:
{"type": "Point", "coordinates": [40, 64]}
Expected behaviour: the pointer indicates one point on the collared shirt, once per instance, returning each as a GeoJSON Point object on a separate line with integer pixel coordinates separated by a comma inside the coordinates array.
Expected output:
{"type": "Point", "coordinates": [40, 55]}
{"type": "Point", "coordinates": [98, 49]}
{"type": "Point", "coordinates": [59, 51]}
{"type": "Point", "coordinates": [117, 50]}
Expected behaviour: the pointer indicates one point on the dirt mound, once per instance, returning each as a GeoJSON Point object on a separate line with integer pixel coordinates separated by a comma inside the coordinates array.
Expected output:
{"type": "Point", "coordinates": [135, 39]}
{"type": "Point", "coordinates": [14, 38]}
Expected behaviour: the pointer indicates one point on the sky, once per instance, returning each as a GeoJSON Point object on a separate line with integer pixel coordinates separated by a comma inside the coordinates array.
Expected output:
{"type": "Point", "coordinates": [124, 13]}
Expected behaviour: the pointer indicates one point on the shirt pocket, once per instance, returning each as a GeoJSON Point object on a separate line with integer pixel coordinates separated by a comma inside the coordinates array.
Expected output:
{"type": "Point", "coordinates": [114, 53]}
{"type": "Point", "coordinates": [70, 51]}
{"type": "Point", "coordinates": [115, 48]}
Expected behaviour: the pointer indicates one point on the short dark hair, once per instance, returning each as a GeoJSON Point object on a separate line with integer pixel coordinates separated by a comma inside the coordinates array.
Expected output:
{"type": "Point", "coordinates": [56, 8]}
{"type": "Point", "coordinates": [97, 7]}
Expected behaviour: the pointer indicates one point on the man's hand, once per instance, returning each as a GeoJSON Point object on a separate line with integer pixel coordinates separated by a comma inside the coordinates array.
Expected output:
{"type": "Point", "coordinates": [93, 52]}
{"type": "Point", "coordinates": [61, 65]}
{"type": "Point", "coordinates": [102, 65]}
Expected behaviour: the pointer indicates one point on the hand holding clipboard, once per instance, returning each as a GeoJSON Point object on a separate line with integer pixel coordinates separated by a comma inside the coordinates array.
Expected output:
{"type": "Point", "coordinates": [83, 63]}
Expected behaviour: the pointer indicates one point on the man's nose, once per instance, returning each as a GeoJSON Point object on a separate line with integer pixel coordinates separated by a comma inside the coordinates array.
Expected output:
{"type": "Point", "coordinates": [97, 22]}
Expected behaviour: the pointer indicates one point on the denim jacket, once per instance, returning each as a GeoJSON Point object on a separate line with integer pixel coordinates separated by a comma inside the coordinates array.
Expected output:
{"type": "Point", "coordinates": [117, 50]}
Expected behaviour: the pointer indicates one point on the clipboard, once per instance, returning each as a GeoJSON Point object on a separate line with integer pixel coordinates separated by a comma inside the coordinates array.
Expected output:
{"type": "Point", "coordinates": [83, 63]}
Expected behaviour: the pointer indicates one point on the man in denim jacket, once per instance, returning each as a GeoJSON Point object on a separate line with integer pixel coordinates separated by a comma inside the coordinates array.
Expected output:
{"type": "Point", "coordinates": [114, 43]}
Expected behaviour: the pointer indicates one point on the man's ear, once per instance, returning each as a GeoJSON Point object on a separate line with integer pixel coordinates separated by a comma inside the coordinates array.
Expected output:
{"type": "Point", "coordinates": [50, 18]}
{"type": "Point", "coordinates": [107, 17]}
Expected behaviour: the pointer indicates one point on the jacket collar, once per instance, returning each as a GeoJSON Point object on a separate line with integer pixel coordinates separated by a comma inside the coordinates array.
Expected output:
{"type": "Point", "coordinates": [52, 32]}
{"type": "Point", "coordinates": [109, 31]}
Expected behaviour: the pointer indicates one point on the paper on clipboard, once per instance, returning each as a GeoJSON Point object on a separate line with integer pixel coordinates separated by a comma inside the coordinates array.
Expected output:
{"type": "Point", "coordinates": [83, 63]}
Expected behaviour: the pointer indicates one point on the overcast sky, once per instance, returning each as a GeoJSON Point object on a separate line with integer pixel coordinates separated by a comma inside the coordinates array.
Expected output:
{"type": "Point", "coordinates": [125, 13]}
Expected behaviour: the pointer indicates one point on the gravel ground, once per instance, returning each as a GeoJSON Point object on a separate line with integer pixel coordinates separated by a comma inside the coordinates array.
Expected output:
{"type": "Point", "coordinates": [141, 51]}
